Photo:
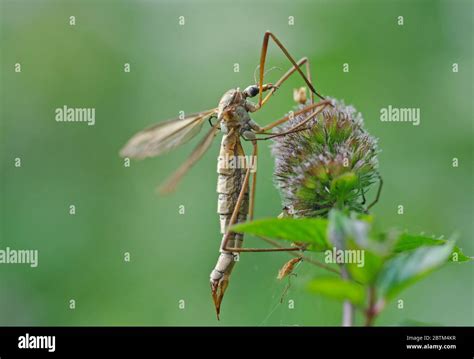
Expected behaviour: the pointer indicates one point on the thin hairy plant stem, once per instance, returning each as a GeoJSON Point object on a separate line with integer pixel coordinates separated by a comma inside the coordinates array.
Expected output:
{"type": "Point", "coordinates": [372, 311]}
{"type": "Point", "coordinates": [347, 306]}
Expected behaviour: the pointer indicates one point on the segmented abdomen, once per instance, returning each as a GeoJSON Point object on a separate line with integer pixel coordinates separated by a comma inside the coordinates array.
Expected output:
{"type": "Point", "coordinates": [229, 184]}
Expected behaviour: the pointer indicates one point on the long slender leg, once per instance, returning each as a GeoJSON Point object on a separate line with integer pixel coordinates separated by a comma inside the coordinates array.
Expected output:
{"type": "Point", "coordinates": [363, 195]}
{"type": "Point", "coordinates": [278, 246]}
{"type": "Point", "coordinates": [232, 242]}
{"type": "Point", "coordinates": [233, 218]}
{"type": "Point", "coordinates": [305, 258]}
{"type": "Point", "coordinates": [229, 188]}
{"type": "Point", "coordinates": [286, 76]}
{"type": "Point", "coordinates": [301, 62]}
{"type": "Point", "coordinates": [379, 191]}
{"type": "Point", "coordinates": [295, 128]}
{"type": "Point", "coordinates": [298, 125]}
{"type": "Point", "coordinates": [254, 184]}
{"type": "Point", "coordinates": [263, 56]}
{"type": "Point", "coordinates": [297, 113]}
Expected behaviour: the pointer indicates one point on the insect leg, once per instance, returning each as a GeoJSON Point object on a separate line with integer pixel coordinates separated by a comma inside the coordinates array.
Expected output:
{"type": "Point", "coordinates": [236, 210]}
{"type": "Point", "coordinates": [296, 128]}
{"type": "Point", "coordinates": [233, 219]}
{"type": "Point", "coordinates": [273, 135]}
{"type": "Point", "coordinates": [363, 194]}
{"type": "Point", "coordinates": [254, 182]}
{"type": "Point", "coordinates": [379, 191]}
{"type": "Point", "coordinates": [291, 71]}
{"type": "Point", "coordinates": [263, 55]}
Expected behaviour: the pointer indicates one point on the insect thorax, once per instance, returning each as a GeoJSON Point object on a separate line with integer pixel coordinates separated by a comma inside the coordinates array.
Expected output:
{"type": "Point", "coordinates": [232, 109]}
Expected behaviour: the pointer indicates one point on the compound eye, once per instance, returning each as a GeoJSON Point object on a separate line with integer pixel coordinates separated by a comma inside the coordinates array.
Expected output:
{"type": "Point", "coordinates": [252, 91]}
{"type": "Point", "coordinates": [255, 90]}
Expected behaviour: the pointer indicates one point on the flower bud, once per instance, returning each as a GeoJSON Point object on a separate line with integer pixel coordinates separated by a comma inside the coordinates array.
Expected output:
{"type": "Point", "coordinates": [330, 164]}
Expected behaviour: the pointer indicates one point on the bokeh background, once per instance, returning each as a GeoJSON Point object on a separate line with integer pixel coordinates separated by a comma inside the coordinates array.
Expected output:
{"type": "Point", "coordinates": [188, 68]}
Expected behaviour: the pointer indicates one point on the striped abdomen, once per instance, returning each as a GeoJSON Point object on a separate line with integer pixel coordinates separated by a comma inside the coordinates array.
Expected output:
{"type": "Point", "coordinates": [231, 176]}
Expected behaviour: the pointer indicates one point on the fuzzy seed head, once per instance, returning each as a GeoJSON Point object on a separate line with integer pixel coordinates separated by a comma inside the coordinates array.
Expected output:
{"type": "Point", "coordinates": [330, 164]}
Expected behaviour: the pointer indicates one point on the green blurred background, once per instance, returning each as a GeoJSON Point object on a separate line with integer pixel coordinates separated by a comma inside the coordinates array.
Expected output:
{"type": "Point", "coordinates": [188, 68]}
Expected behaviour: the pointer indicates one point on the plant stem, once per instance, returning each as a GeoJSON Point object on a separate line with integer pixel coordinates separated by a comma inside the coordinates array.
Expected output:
{"type": "Point", "coordinates": [347, 306]}
{"type": "Point", "coordinates": [372, 311]}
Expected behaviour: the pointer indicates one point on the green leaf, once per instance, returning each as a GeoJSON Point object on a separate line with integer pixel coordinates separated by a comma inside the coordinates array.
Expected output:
{"type": "Point", "coordinates": [366, 273]}
{"type": "Point", "coordinates": [342, 229]}
{"type": "Point", "coordinates": [352, 234]}
{"type": "Point", "coordinates": [338, 288]}
{"type": "Point", "coordinates": [408, 267]}
{"type": "Point", "coordinates": [408, 242]}
{"type": "Point", "coordinates": [307, 230]}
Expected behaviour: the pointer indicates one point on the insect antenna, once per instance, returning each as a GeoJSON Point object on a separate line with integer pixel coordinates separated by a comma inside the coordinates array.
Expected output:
{"type": "Point", "coordinates": [266, 72]}
{"type": "Point", "coordinates": [255, 73]}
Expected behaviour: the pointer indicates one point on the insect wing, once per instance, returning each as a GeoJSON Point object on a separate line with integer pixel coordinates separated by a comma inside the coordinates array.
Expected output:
{"type": "Point", "coordinates": [195, 156]}
{"type": "Point", "coordinates": [165, 136]}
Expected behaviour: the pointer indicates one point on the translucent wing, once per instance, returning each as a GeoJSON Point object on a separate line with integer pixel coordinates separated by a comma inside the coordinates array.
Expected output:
{"type": "Point", "coordinates": [197, 153]}
{"type": "Point", "coordinates": [165, 136]}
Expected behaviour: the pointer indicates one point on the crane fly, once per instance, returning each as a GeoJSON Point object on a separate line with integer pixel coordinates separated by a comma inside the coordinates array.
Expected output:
{"type": "Point", "coordinates": [235, 198]}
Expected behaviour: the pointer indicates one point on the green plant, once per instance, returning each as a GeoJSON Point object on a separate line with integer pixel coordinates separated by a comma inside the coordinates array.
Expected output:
{"type": "Point", "coordinates": [330, 164]}
{"type": "Point", "coordinates": [380, 265]}
{"type": "Point", "coordinates": [323, 174]}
